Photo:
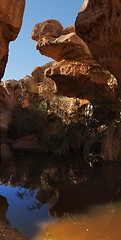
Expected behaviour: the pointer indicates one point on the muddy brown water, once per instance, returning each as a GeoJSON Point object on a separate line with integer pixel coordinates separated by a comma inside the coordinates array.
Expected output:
{"type": "Point", "coordinates": [61, 199]}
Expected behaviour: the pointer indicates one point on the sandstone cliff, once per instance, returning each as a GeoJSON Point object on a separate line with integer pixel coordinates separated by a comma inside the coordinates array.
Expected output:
{"type": "Point", "coordinates": [11, 13]}
{"type": "Point", "coordinates": [75, 71]}
{"type": "Point", "coordinates": [34, 117]}
{"type": "Point", "coordinates": [98, 24]}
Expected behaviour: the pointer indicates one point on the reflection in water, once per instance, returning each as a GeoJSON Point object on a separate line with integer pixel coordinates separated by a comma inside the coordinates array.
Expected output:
{"type": "Point", "coordinates": [62, 199]}
{"type": "Point", "coordinates": [3, 209]}
{"type": "Point", "coordinates": [24, 211]}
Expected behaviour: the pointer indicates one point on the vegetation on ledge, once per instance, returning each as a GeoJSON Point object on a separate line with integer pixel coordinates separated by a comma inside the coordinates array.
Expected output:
{"type": "Point", "coordinates": [62, 125]}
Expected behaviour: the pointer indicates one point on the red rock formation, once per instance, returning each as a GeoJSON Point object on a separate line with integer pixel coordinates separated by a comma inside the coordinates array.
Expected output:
{"type": "Point", "coordinates": [75, 71]}
{"type": "Point", "coordinates": [17, 93]}
{"type": "Point", "coordinates": [11, 13]}
{"type": "Point", "coordinates": [66, 45]}
{"type": "Point", "coordinates": [14, 93]}
{"type": "Point", "coordinates": [99, 25]}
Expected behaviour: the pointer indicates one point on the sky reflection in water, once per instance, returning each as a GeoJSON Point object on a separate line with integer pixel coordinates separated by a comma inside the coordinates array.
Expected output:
{"type": "Point", "coordinates": [70, 201]}
{"type": "Point", "coordinates": [25, 212]}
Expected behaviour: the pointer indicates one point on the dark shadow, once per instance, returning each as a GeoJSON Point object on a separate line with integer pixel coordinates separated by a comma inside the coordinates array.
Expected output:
{"type": "Point", "coordinates": [3, 209]}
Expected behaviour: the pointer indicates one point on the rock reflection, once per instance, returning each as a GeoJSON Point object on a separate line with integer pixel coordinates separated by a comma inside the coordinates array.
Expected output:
{"type": "Point", "coordinates": [3, 209]}
{"type": "Point", "coordinates": [33, 170]}
{"type": "Point", "coordinates": [64, 182]}
{"type": "Point", "coordinates": [84, 199]}
{"type": "Point", "coordinates": [49, 196]}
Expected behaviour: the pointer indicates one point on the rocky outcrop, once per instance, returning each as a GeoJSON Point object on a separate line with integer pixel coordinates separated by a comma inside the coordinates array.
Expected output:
{"type": "Point", "coordinates": [33, 111]}
{"type": "Point", "coordinates": [99, 25]}
{"type": "Point", "coordinates": [75, 71]}
{"type": "Point", "coordinates": [11, 13]}
{"type": "Point", "coordinates": [13, 93]}
{"type": "Point", "coordinates": [66, 45]}
{"type": "Point", "coordinates": [34, 117]}
{"type": "Point", "coordinates": [83, 80]}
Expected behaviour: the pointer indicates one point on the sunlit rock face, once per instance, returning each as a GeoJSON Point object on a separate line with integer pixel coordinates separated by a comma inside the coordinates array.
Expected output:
{"type": "Point", "coordinates": [11, 14]}
{"type": "Point", "coordinates": [50, 29]}
{"type": "Point", "coordinates": [13, 93]}
{"type": "Point", "coordinates": [19, 102]}
{"type": "Point", "coordinates": [75, 71]}
{"type": "Point", "coordinates": [99, 25]}
{"type": "Point", "coordinates": [59, 44]}
{"type": "Point", "coordinates": [18, 93]}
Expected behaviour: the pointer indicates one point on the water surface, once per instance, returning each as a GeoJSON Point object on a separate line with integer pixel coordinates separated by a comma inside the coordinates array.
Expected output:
{"type": "Point", "coordinates": [59, 199]}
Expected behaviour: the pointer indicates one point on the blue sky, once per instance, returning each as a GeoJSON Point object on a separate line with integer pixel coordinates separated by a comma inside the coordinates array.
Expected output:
{"type": "Point", "coordinates": [23, 56]}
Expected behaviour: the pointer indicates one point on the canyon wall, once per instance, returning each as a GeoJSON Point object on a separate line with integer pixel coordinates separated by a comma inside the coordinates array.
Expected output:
{"type": "Point", "coordinates": [99, 25]}
{"type": "Point", "coordinates": [79, 71]}
{"type": "Point", "coordinates": [11, 14]}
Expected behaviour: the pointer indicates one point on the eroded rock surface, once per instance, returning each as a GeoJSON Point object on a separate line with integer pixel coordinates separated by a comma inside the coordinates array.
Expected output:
{"type": "Point", "coordinates": [28, 104]}
{"type": "Point", "coordinates": [13, 93]}
{"type": "Point", "coordinates": [75, 71]}
{"type": "Point", "coordinates": [18, 93]}
{"type": "Point", "coordinates": [19, 102]}
{"type": "Point", "coordinates": [11, 14]}
{"type": "Point", "coordinates": [99, 25]}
